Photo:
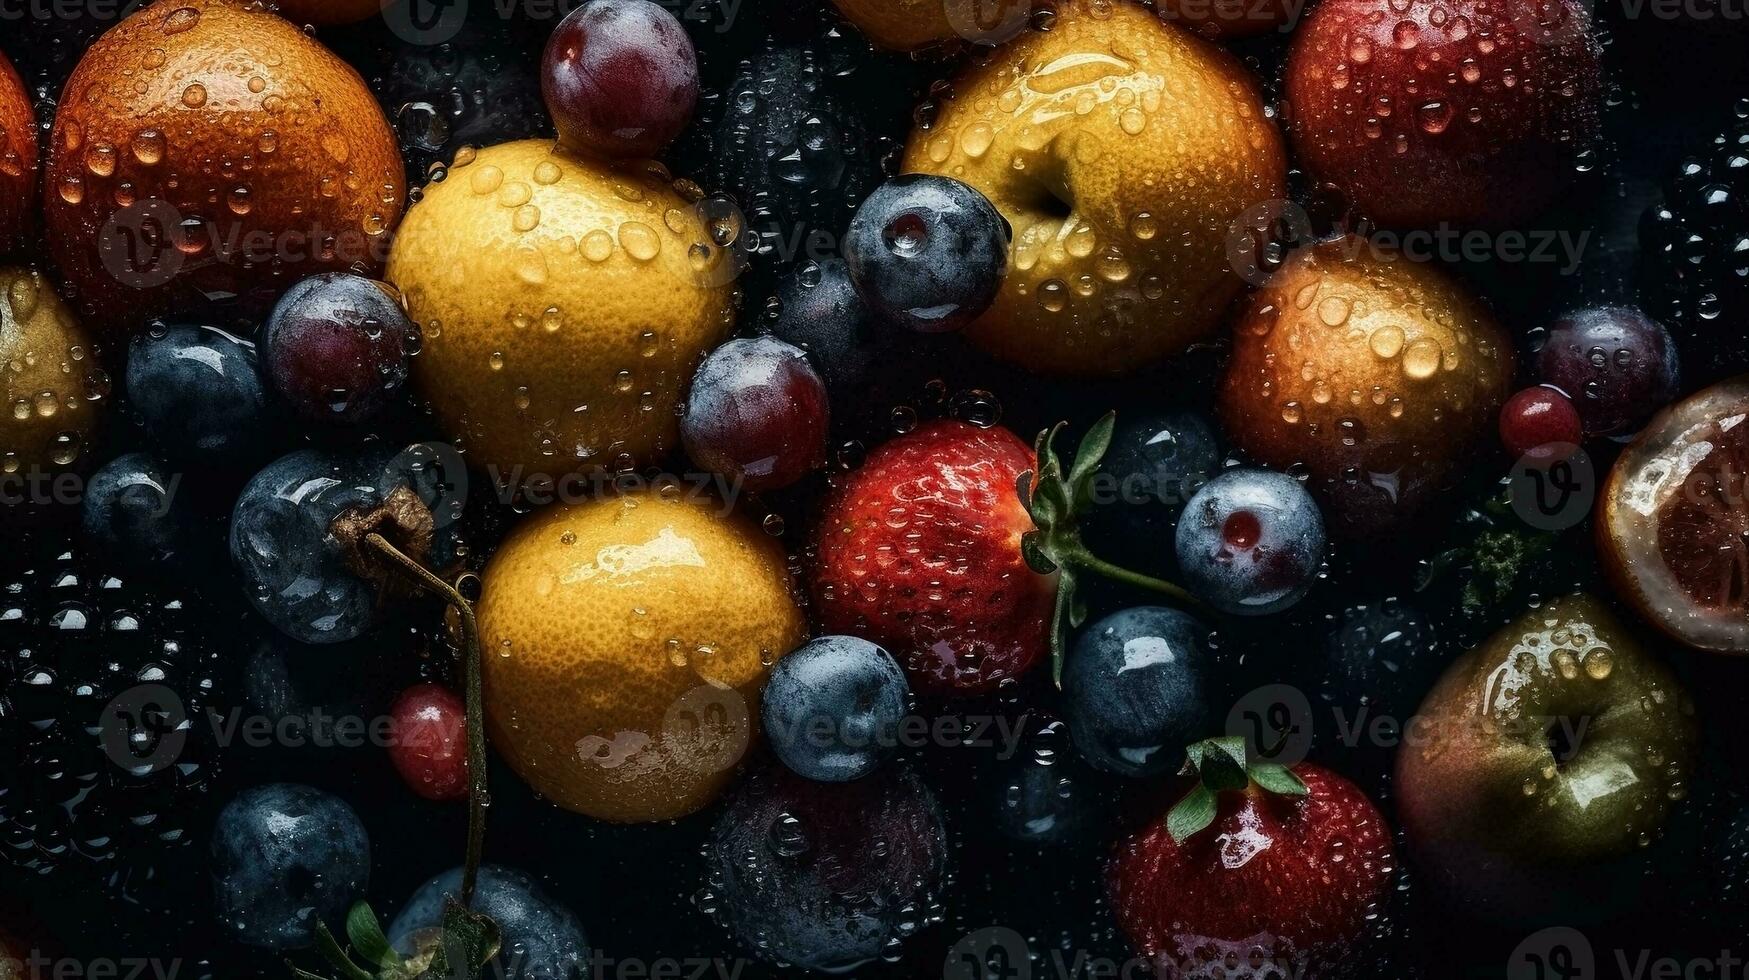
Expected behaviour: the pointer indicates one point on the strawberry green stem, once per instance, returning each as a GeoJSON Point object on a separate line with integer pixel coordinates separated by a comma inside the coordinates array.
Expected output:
{"type": "Point", "coordinates": [1088, 561]}
{"type": "Point", "coordinates": [478, 797]}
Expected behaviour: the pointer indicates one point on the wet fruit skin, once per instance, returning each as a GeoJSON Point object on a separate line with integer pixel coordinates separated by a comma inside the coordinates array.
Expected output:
{"type": "Point", "coordinates": [542, 939]}
{"type": "Point", "coordinates": [627, 641]}
{"type": "Point", "coordinates": [1674, 529]}
{"type": "Point", "coordinates": [428, 742]}
{"type": "Point", "coordinates": [1616, 364]}
{"type": "Point", "coordinates": [235, 119]}
{"type": "Point", "coordinates": [200, 394]}
{"type": "Point", "coordinates": [1136, 689]}
{"type": "Point", "coordinates": [55, 401]}
{"type": "Point", "coordinates": [1513, 808]}
{"type": "Point", "coordinates": [336, 348]}
{"type": "Point", "coordinates": [1120, 212]}
{"type": "Point", "coordinates": [564, 305]}
{"type": "Point", "coordinates": [1250, 542]}
{"type": "Point", "coordinates": [18, 158]}
{"type": "Point", "coordinates": [1375, 375]}
{"type": "Point", "coordinates": [833, 708]}
{"type": "Point", "coordinates": [757, 414]}
{"type": "Point", "coordinates": [1424, 112]}
{"type": "Point", "coordinates": [1293, 876]}
{"type": "Point", "coordinates": [1539, 421]}
{"type": "Point", "coordinates": [918, 550]}
{"type": "Point", "coordinates": [620, 78]}
{"type": "Point", "coordinates": [927, 253]}
{"type": "Point", "coordinates": [828, 875]}
{"type": "Point", "coordinates": [285, 857]}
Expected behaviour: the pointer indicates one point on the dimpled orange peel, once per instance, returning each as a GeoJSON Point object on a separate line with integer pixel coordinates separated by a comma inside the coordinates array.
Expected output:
{"type": "Point", "coordinates": [626, 643]}
{"type": "Point", "coordinates": [564, 303]}
{"type": "Point", "coordinates": [206, 148]}
{"type": "Point", "coordinates": [1374, 375]}
{"type": "Point", "coordinates": [17, 157]}
{"type": "Point", "coordinates": [51, 384]}
{"type": "Point", "coordinates": [1121, 149]}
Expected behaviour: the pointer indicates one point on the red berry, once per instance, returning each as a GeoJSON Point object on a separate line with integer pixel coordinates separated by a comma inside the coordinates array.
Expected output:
{"type": "Point", "coordinates": [1295, 876]}
{"type": "Point", "coordinates": [336, 348]}
{"type": "Point", "coordinates": [620, 78]}
{"type": "Point", "coordinates": [1538, 422]}
{"type": "Point", "coordinates": [428, 742]}
{"type": "Point", "coordinates": [919, 551]}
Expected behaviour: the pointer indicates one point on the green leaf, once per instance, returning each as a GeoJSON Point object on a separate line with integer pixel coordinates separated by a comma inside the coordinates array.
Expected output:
{"type": "Point", "coordinates": [367, 937]}
{"type": "Point", "coordinates": [1061, 615]}
{"type": "Point", "coordinates": [1191, 815]}
{"type": "Point", "coordinates": [1221, 763]}
{"type": "Point", "coordinates": [1092, 450]}
{"type": "Point", "coordinates": [1279, 780]}
{"type": "Point", "coordinates": [470, 941]}
{"type": "Point", "coordinates": [1032, 549]}
{"type": "Point", "coordinates": [300, 974]}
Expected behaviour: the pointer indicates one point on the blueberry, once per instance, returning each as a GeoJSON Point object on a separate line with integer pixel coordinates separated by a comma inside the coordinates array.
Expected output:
{"type": "Point", "coordinates": [541, 938]}
{"type": "Point", "coordinates": [1045, 792]}
{"type": "Point", "coordinates": [298, 574]}
{"type": "Point", "coordinates": [1383, 656]}
{"type": "Point", "coordinates": [819, 311]}
{"type": "Point", "coordinates": [199, 393]}
{"type": "Point", "coordinates": [336, 348]}
{"type": "Point", "coordinates": [1251, 542]}
{"type": "Point", "coordinates": [833, 708]}
{"type": "Point", "coordinates": [132, 510]}
{"type": "Point", "coordinates": [828, 876]}
{"type": "Point", "coordinates": [1135, 690]}
{"type": "Point", "coordinates": [284, 858]}
{"type": "Point", "coordinates": [1156, 461]}
{"type": "Point", "coordinates": [927, 253]}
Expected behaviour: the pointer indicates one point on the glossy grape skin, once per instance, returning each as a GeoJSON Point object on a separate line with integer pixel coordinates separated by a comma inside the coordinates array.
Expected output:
{"type": "Point", "coordinates": [1136, 690]}
{"type": "Point", "coordinates": [428, 742]}
{"type": "Point", "coordinates": [1616, 364]}
{"type": "Point", "coordinates": [199, 392]}
{"type": "Point", "coordinates": [1251, 542]}
{"type": "Point", "coordinates": [284, 858]}
{"type": "Point", "coordinates": [620, 78]}
{"type": "Point", "coordinates": [294, 571]}
{"type": "Point", "coordinates": [336, 348]}
{"type": "Point", "coordinates": [757, 414]}
{"type": "Point", "coordinates": [542, 939]}
{"type": "Point", "coordinates": [132, 509]}
{"type": "Point", "coordinates": [927, 253]}
{"type": "Point", "coordinates": [833, 708]}
{"type": "Point", "coordinates": [1536, 420]}
{"type": "Point", "coordinates": [819, 312]}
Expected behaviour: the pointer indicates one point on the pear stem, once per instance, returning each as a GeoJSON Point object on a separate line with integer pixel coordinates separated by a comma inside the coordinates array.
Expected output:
{"type": "Point", "coordinates": [478, 797]}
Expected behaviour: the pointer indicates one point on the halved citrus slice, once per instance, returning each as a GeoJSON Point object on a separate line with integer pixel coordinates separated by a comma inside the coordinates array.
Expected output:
{"type": "Point", "coordinates": [1674, 530]}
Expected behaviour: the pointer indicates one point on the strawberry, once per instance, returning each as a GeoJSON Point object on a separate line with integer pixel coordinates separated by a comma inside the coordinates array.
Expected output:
{"type": "Point", "coordinates": [957, 549]}
{"type": "Point", "coordinates": [1260, 871]}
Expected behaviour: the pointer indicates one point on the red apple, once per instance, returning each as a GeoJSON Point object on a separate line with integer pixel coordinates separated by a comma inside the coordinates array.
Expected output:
{"type": "Point", "coordinates": [1427, 111]}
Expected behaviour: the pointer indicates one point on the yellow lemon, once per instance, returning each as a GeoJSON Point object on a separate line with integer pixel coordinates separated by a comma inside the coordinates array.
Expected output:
{"type": "Point", "coordinates": [51, 385]}
{"type": "Point", "coordinates": [564, 305]}
{"type": "Point", "coordinates": [626, 642]}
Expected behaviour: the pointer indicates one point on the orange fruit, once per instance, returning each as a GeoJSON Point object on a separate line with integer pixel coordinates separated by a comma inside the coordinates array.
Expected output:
{"type": "Point", "coordinates": [565, 304]}
{"type": "Point", "coordinates": [208, 147]}
{"type": "Point", "coordinates": [626, 643]}
{"type": "Point", "coordinates": [17, 157]}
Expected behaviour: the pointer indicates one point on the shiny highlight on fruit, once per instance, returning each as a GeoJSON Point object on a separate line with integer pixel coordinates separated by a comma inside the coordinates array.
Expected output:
{"type": "Point", "coordinates": [206, 148]}
{"type": "Point", "coordinates": [626, 643]}
{"type": "Point", "coordinates": [1476, 112]}
{"type": "Point", "coordinates": [1374, 375]}
{"type": "Point", "coordinates": [17, 158]}
{"type": "Point", "coordinates": [51, 383]}
{"type": "Point", "coordinates": [1121, 149]}
{"type": "Point", "coordinates": [564, 305]}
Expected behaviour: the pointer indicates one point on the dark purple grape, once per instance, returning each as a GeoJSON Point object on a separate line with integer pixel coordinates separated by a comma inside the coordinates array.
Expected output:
{"type": "Point", "coordinates": [1251, 542]}
{"type": "Point", "coordinates": [757, 414]}
{"type": "Point", "coordinates": [1616, 364]}
{"type": "Point", "coordinates": [133, 510]}
{"type": "Point", "coordinates": [336, 348]}
{"type": "Point", "coordinates": [927, 253]}
{"type": "Point", "coordinates": [620, 78]}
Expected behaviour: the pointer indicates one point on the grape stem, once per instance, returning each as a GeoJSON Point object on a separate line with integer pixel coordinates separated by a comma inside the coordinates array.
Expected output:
{"type": "Point", "coordinates": [478, 797]}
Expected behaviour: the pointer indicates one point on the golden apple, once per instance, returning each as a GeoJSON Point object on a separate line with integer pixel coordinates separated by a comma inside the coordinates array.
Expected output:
{"type": "Point", "coordinates": [208, 147]}
{"type": "Point", "coordinates": [565, 304]}
{"type": "Point", "coordinates": [1121, 149]}
{"type": "Point", "coordinates": [52, 385]}
{"type": "Point", "coordinates": [1375, 375]}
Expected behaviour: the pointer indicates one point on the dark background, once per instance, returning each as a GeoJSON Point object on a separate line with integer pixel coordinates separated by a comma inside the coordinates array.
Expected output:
{"type": "Point", "coordinates": [634, 888]}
